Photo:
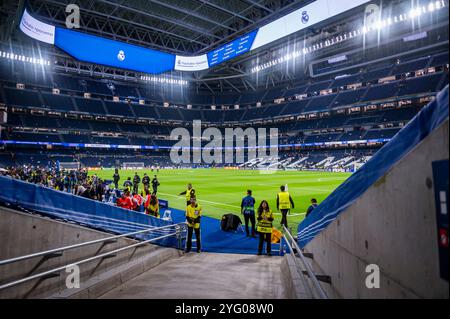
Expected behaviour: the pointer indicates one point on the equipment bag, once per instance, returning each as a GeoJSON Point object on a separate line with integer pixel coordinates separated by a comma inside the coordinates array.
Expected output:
{"type": "Point", "coordinates": [230, 222]}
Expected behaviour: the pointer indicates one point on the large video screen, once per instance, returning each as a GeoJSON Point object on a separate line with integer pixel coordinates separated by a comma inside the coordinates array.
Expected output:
{"type": "Point", "coordinates": [90, 48]}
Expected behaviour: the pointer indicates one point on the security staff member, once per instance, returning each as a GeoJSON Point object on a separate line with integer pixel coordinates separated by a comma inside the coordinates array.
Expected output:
{"type": "Point", "coordinates": [155, 184]}
{"type": "Point", "coordinates": [265, 219]}
{"type": "Point", "coordinates": [193, 214]}
{"type": "Point", "coordinates": [116, 178]}
{"type": "Point", "coordinates": [136, 181]}
{"type": "Point", "coordinates": [248, 210]}
{"type": "Point", "coordinates": [145, 181]}
{"type": "Point", "coordinates": [190, 192]}
{"type": "Point", "coordinates": [127, 184]}
{"type": "Point", "coordinates": [284, 204]}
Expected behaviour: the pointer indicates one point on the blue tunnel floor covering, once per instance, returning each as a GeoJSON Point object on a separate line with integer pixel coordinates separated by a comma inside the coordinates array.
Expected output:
{"type": "Point", "coordinates": [213, 239]}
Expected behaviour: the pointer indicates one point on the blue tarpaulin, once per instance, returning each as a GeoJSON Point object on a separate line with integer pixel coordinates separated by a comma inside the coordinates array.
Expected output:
{"type": "Point", "coordinates": [218, 241]}
{"type": "Point", "coordinates": [84, 211]}
{"type": "Point", "coordinates": [427, 120]}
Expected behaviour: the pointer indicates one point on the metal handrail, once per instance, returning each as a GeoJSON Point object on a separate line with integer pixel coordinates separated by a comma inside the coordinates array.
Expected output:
{"type": "Point", "coordinates": [14, 283]}
{"type": "Point", "coordinates": [47, 252]}
{"type": "Point", "coordinates": [316, 284]}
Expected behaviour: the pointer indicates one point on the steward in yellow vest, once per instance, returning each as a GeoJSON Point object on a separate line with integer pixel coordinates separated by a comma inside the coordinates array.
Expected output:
{"type": "Point", "coordinates": [264, 227]}
{"type": "Point", "coordinates": [193, 214]}
{"type": "Point", "coordinates": [284, 204]}
{"type": "Point", "coordinates": [189, 192]}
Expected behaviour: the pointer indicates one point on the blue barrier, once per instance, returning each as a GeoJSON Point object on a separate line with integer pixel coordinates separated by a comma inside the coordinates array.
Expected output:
{"type": "Point", "coordinates": [428, 119]}
{"type": "Point", "coordinates": [84, 211]}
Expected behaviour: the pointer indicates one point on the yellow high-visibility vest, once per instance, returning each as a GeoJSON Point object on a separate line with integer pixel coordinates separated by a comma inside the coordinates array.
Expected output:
{"type": "Point", "coordinates": [283, 200]}
{"type": "Point", "coordinates": [188, 194]}
{"type": "Point", "coordinates": [194, 212]}
{"type": "Point", "coordinates": [264, 225]}
{"type": "Point", "coordinates": [153, 209]}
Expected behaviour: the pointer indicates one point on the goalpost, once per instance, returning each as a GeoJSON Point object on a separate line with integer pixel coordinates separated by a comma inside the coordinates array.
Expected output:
{"type": "Point", "coordinates": [69, 166]}
{"type": "Point", "coordinates": [133, 165]}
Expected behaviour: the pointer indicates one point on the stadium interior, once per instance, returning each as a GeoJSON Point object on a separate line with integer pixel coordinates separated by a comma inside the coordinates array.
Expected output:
{"type": "Point", "coordinates": [337, 92]}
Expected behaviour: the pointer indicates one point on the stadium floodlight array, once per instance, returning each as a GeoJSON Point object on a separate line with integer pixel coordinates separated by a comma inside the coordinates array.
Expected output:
{"type": "Point", "coordinates": [23, 58]}
{"type": "Point", "coordinates": [163, 80]}
{"type": "Point", "coordinates": [413, 14]}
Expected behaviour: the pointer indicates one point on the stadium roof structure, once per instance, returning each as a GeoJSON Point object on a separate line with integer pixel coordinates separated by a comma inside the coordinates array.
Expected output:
{"type": "Point", "coordinates": [176, 26]}
{"type": "Point", "coordinates": [182, 27]}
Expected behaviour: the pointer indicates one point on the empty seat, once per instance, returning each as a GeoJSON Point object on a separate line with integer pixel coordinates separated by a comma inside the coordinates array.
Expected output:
{"type": "Point", "coordinates": [92, 106]}
{"type": "Point", "coordinates": [58, 102]}
{"type": "Point", "coordinates": [118, 108]}
{"type": "Point", "coordinates": [22, 97]}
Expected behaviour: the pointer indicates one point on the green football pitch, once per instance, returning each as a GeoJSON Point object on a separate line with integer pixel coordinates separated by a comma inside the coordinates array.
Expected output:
{"type": "Point", "coordinates": [220, 191]}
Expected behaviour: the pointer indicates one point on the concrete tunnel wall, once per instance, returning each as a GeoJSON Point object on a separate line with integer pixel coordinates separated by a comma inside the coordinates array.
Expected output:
{"type": "Point", "coordinates": [393, 225]}
{"type": "Point", "coordinates": [22, 234]}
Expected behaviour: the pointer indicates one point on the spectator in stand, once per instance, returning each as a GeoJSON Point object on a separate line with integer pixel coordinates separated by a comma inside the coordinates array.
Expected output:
{"type": "Point", "coordinates": [138, 200]}
{"type": "Point", "coordinates": [147, 198]}
{"type": "Point", "coordinates": [66, 186]}
{"type": "Point", "coordinates": [125, 201]}
{"type": "Point", "coordinates": [153, 206]}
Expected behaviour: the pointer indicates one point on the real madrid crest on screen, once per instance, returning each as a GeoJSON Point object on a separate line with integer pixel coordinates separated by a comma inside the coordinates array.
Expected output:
{"type": "Point", "coordinates": [305, 17]}
{"type": "Point", "coordinates": [121, 55]}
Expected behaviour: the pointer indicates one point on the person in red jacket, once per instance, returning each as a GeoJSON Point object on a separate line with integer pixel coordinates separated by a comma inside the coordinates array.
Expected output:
{"type": "Point", "coordinates": [137, 200]}
{"type": "Point", "coordinates": [125, 201]}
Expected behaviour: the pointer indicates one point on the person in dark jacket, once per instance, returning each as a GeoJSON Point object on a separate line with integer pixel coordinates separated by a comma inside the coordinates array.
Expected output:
{"type": "Point", "coordinates": [127, 184]}
{"type": "Point", "coordinates": [136, 181]}
{"type": "Point", "coordinates": [248, 210]}
{"type": "Point", "coordinates": [116, 178]}
{"type": "Point", "coordinates": [155, 184]}
{"type": "Point", "coordinates": [145, 181]}
{"type": "Point", "coordinates": [312, 207]}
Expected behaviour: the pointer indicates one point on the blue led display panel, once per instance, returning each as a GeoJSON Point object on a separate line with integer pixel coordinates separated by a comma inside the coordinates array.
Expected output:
{"type": "Point", "coordinates": [99, 50]}
{"type": "Point", "coordinates": [232, 49]}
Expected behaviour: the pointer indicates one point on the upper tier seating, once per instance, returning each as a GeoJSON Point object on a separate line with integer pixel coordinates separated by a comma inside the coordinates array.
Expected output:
{"type": "Point", "coordinates": [22, 97]}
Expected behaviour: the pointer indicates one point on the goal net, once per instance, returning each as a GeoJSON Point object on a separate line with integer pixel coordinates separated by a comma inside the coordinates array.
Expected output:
{"type": "Point", "coordinates": [133, 165]}
{"type": "Point", "coordinates": [69, 166]}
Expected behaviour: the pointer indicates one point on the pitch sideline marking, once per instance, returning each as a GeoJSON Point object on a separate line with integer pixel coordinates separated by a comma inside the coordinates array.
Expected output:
{"type": "Point", "coordinates": [206, 201]}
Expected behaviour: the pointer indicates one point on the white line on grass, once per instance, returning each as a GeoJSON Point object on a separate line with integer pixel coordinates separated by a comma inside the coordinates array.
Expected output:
{"type": "Point", "coordinates": [206, 201]}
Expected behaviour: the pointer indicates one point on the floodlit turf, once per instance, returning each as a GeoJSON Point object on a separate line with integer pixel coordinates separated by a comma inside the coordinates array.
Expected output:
{"type": "Point", "coordinates": [220, 191]}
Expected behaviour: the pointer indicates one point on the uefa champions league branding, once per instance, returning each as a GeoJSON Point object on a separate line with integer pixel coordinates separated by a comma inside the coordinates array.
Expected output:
{"type": "Point", "coordinates": [230, 148]}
